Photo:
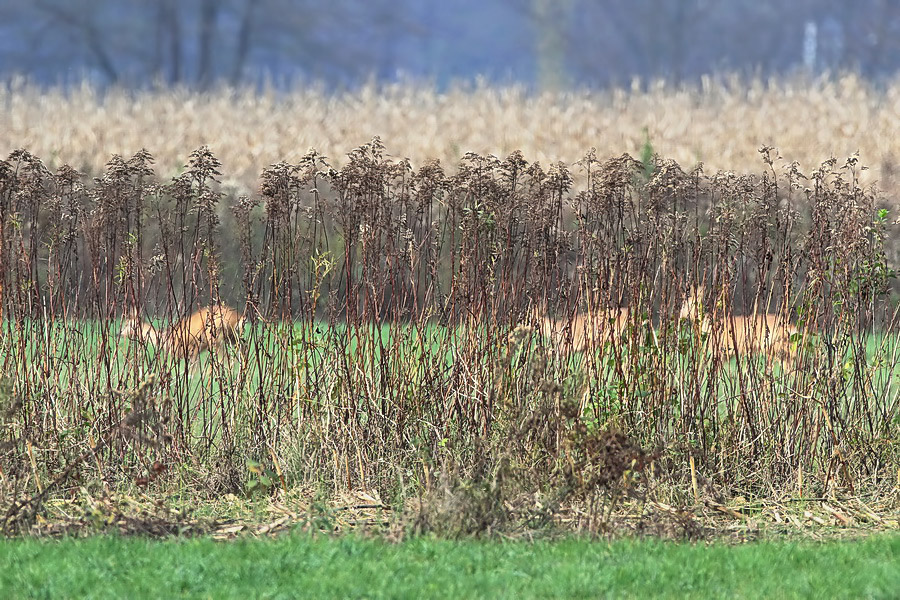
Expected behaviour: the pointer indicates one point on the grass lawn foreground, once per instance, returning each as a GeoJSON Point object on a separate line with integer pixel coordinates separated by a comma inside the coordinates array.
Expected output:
{"type": "Point", "coordinates": [300, 566]}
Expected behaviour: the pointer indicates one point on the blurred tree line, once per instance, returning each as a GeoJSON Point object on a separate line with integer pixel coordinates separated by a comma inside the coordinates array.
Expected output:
{"type": "Point", "coordinates": [547, 43]}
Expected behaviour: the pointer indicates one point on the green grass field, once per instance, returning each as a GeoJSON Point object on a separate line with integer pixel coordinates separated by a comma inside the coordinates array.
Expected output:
{"type": "Point", "coordinates": [297, 566]}
{"type": "Point", "coordinates": [71, 358]}
{"type": "Point", "coordinates": [64, 347]}
{"type": "Point", "coordinates": [72, 362]}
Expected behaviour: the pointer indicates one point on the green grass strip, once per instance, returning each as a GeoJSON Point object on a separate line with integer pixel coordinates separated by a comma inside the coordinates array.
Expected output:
{"type": "Point", "coordinates": [349, 567]}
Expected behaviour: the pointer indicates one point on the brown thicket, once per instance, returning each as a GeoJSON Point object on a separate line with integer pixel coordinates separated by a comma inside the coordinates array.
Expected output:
{"type": "Point", "coordinates": [391, 343]}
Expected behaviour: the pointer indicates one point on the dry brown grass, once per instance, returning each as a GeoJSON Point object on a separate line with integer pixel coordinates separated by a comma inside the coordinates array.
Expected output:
{"type": "Point", "coordinates": [721, 123]}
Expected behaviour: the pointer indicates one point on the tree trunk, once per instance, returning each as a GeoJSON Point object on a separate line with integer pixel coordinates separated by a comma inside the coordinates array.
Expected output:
{"type": "Point", "coordinates": [208, 13]}
{"type": "Point", "coordinates": [245, 33]}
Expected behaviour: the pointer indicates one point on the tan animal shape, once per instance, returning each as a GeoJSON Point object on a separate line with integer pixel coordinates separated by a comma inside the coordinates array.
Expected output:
{"type": "Point", "coordinates": [209, 328]}
{"type": "Point", "coordinates": [765, 333]}
{"type": "Point", "coordinates": [584, 330]}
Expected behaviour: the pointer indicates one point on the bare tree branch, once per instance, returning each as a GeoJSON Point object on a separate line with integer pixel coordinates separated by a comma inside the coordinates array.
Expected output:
{"type": "Point", "coordinates": [91, 33]}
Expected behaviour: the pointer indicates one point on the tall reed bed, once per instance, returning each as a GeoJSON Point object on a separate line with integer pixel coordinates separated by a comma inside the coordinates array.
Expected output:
{"type": "Point", "coordinates": [395, 338]}
{"type": "Point", "coordinates": [720, 122]}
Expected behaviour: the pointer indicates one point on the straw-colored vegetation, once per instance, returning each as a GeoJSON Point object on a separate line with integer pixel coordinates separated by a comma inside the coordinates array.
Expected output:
{"type": "Point", "coordinates": [721, 122]}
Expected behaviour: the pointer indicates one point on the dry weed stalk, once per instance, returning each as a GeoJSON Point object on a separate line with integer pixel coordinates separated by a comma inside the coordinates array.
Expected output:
{"type": "Point", "coordinates": [388, 294]}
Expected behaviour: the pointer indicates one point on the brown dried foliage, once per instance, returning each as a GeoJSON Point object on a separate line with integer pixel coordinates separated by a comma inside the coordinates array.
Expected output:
{"type": "Point", "coordinates": [391, 343]}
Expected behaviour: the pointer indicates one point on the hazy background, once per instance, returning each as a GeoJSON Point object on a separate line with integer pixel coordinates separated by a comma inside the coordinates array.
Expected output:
{"type": "Point", "coordinates": [262, 81]}
{"type": "Point", "coordinates": [344, 43]}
